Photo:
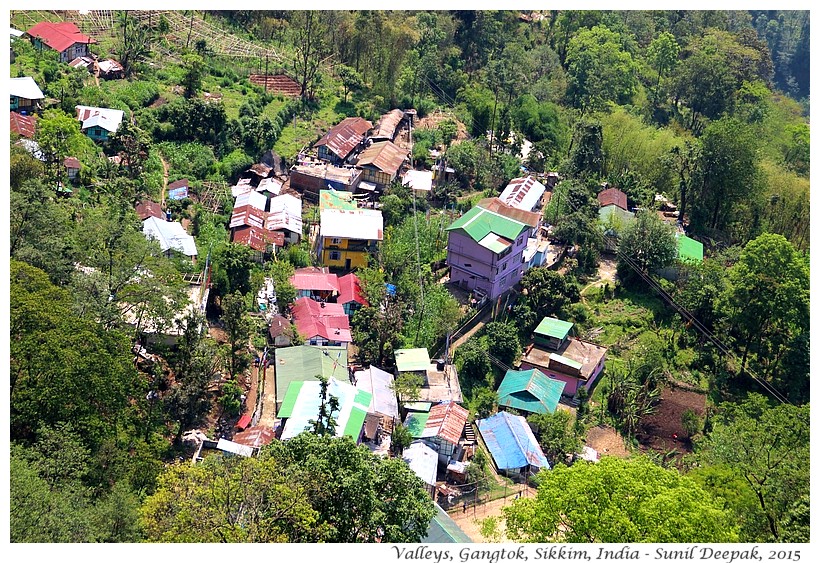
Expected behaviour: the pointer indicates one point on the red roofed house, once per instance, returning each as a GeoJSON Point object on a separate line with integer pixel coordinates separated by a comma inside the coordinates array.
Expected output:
{"type": "Point", "coordinates": [315, 283]}
{"type": "Point", "coordinates": [248, 227]}
{"type": "Point", "coordinates": [442, 426]}
{"type": "Point", "coordinates": [23, 125]}
{"type": "Point", "coordinates": [338, 144]}
{"type": "Point", "coordinates": [63, 37]}
{"type": "Point", "coordinates": [321, 324]}
{"type": "Point", "coordinates": [351, 297]}
{"type": "Point", "coordinates": [72, 166]}
{"type": "Point", "coordinates": [612, 196]}
{"type": "Point", "coordinates": [146, 209]}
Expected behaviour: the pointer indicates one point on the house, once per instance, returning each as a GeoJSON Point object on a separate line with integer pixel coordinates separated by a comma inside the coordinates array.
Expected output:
{"type": "Point", "coordinates": [171, 237]}
{"type": "Point", "coordinates": [178, 189]}
{"type": "Point", "coordinates": [255, 437]}
{"type": "Point", "coordinates": [285, 216]}
{"type": "Point", "coordinates": [486, 245]}
{"type": "Point", "coordinates": [334, 199]}
{"type": "Point", "coordinates": [612, 196]}
{"type": "Point", "coordinates": [305, 363]}
{"type": "Point", "coordinates": [512, 445]}
{"type": "Point", "coordinates": [536, 252]}
{"type": "Point", "coordinates": [380, 163]}
{"type": "Point", "coordinates": [524, 193]}
{"type": "Point", "coordinates": [309, 179]}
{"type": "Point", "coordinates": [23, 125]}
{"type": "Point", "coordinates": [99, 124]}
{"type": "Point", "coordinates": [378, 383]}
{"type": "Point", "coordinates": [423, 461]}
{"type": "Point", "coordinates": [613, 215]}
{"type": "Point", "coordinates": [690, 251]}
{"type": "Point", "coordinates": [442, 428]}
{"type": "Point", "coordinates": [530, 391]}
{"type": "Point", "coordinates": [316, 283]}
{"type": "Point", "coordinates": [247, 227]}
{"type": "Point", "coordinates": [387, 126]}
{"type": "Point", "coordinates": [109, 69]}
{"type": "Point", "coordinates": [321, 324]}
{"type": "Point", "coordinates": [252, 198]}
{"type": "Point", "coordinates": [147, 208]}
{"type": "Point", "coordinates": [351, 297]}
{"type": "Point", "coordinates": [420, 180]}
{"type": "Point", "coordinates": [348, 237]}
{"type": "Point", "coordinates": [72, 167]}
{"type": "Point", "coordinates": [341, 142]}
{"type": "Point", "coordinates": [25, 95]}
{"type": "Point", "coordinates": [443, 529]}
{"type": "Point", "coordinates": [280, 332]}
{"type": "Point", "coordinates": [440, 378]}
{"type": "Point", "coordinates": [557, 355]}
{"type": "Point", "coordinates": [302, 400]}
{"type": "Point", "coordinates": [63, 37]}
{"type": "Point", "coordinates": [270, 187]}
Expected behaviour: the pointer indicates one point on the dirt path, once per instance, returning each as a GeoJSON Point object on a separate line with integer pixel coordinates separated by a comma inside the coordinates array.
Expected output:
{"type": "Point", "coordinates": [607, 269]}
{"type": "Point", "coordinates": [470, 521]}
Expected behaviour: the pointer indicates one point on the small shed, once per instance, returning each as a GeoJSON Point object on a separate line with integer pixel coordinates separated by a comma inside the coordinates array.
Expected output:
{"type": "Point", "coordinates": [551, 332]}
{"type": "Point", "coordinates": [512, 444]}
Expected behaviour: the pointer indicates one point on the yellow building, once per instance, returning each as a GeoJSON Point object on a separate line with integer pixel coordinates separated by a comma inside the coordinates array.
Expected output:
{"type": "Point", "coordinates": [348, 236]}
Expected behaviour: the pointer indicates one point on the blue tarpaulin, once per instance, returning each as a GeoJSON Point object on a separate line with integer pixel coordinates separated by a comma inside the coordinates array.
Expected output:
{"type": "Point", "coordinates": [511, 442]}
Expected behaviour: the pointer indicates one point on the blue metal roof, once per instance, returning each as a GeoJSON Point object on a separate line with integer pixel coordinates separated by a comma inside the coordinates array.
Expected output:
{"type": "Point", "coordinates": [511, 441]}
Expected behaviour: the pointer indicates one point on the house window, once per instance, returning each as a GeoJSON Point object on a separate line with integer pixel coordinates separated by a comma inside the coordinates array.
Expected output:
{"type": "Point", "coordinates": [335, 241]}
{"type": "Point", "coordinates": [520, 240]}
{"type": "Point", "coordinates": [466, 265]}
{"type": "Point", "coordinates": [504, 267]}
{"type": "Point", "coordinates": [335, 255]}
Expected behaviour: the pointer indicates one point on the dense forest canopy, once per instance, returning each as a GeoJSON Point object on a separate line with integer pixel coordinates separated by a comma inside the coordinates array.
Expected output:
{"type": "Point", "coordinates": [701, 114]}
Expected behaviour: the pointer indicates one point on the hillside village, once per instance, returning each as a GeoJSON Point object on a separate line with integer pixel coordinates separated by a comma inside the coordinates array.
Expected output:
{"type": "Point", "coordinates": [238, 251]}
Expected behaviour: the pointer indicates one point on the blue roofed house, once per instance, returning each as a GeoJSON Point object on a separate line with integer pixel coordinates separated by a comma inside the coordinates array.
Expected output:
{"type": "Point", "coordinates": [512, 445]}
{"type": "Point", "coordinates": [530, 390]}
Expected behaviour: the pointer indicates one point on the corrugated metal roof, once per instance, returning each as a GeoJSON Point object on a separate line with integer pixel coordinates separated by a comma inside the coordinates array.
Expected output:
{"type": "Point", "coordinates": [71, 162]}
{"type": "Point", "coordinates": [302, 405]}
{"type": "Point", "coordinates": [529, 218]}
{"type": "Point", "coordinates": [386, 127]}
{"type": "Point", "coordinates": [612, 196]}
{"type": "Point", "coordinates": [564, 361]}
{"type": "Point", "coordinates": [285, 214]}
{"type": "Point", "coordinates": [181, 183]}
{"type": "Point", "coordinates": [443, 529]}
{"type": "Point", "coordinates": [234, 448]}
{"type": "Point", "coordinates": [423, 461]}
{"type": "Point", "coordinates": [25, 87]}
{"type": "Point", "coordinates": [523, 193]}
{"type": "Point", "coordinates": [255, 436]}
{"type": "Point", "coordinates": [412, 359]}
{"type": "Point", "coordinates": [554, 328]}
{"type": "Point", "coordinates": [279, 325]}
{"type": "Point", "coordinates": [23, 125]}
{"type": "Point", "coordinates": [170, 235]}
{"type": "Point", "coordinates": [478, 222]}
{"type": "Point", "coordinates": [343, 138]}
{"type": "Point", "coordinates": [304, 363]}
{"type": "Point", "coordinates": [257, 238]}
{"type": "Point", "coordinates": [378, 383]}
{"type": "Point", "coordinates": [59, 36]}
{"type": "Point", "coordinates": [327, 320]}
{"type": "Point", "coordinates": [689, 249]}
{"type": "Point", "coordinates": [385, 156]}
{"type": "Point", "coordinates": [511, 441]}
{"type": "Point", "coordinates": [416, 422]}
{"type": "Point", "coordinates": [495, 243]}
{"type": "Point", "coordinates": [446, 421]}
{"type": "Point", "coordinates": [530, 390]}
{"type": "Point", "coordinates": [147, 209]}
{"type": "Point", "coordinates": [107, 118]}
{"type": "Point", "coordinates": [315, 279]}
{"type": "Point", "coordinates": [252, 198]}
{"type": "Point", "coordinates": [350, 290]}
{"type": "Point", "coordinates": [418, 180]}
{"type": "Point", "coordinates": [247, 215]}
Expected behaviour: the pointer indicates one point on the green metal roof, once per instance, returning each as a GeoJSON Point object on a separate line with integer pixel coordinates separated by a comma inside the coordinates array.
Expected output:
{"type": "Point", "coordinates": [566, 361]}
{"type": "Point", "coordinates": [495, 243]}
{"type": "Point", "coordinates": [443, 529]}
{"type": "Point", "coordinates": [412, 359]}
{"type": "Point", "coordinates": [303, 399]}
{"type": "Point", "coordinates": [614, 216]}
{"type": "Point", "coordinates": [554, 328]}
{"type": "Point", "coordinates": [304, 363]}
{"type": "Point", "coordinates": [479, 222]}
{"type": "Point", "coordinates": [288, 402]}
{"type": "Point", "coordinates": [334, 199]}
{"type": "Point", "coordinates": [689, 249]}
{"type": "Point", "coordinates": [530, 390]}
{"type": "Point", "coordinates": [422, 406]}
{"type": "Point", "coordinates": [415, 423]}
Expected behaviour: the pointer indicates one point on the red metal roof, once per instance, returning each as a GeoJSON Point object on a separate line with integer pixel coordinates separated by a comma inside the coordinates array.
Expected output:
{"type": "Point", "coordinates": [183, 183]}
{"type": "Point", "coordinates": [612, 196]}
{"type": "Point", "coordinates": [257, 238]}
{"type": "Point", "coordinates": [23, 125]}
{"type": "Point", "coordinates": [350, 289]}
{"type": "Point", "coordinates": [326, 320]}
{"type": "Point", "coordinates": [255, 437]}
{"type": "Point", "coordinates": [385, 156]}
{"type": "Point", "coordinates": [343, 138]}
{"type": "Point", "coordinates": [71, 162]}
{"type": "Point", "coordinates": [59, 36]}
{"type": "Point", "coordinates": [497, 206]}
{"type": "Point", "coordinates": [315, 279]}
{"type": "Point", "coordinates": [146, 209]}
{"type": "Point", "coordinates": [449, 419]}
{"type": "Point", "coordinates": [243, 421]}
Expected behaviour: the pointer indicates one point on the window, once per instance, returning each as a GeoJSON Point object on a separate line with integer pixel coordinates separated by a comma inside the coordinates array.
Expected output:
{"type": "Point", "coordinates": [504, 267]}
{"type": "Point", "coordinates": [335, 241]}
{"type": "Point", "coordinates": [335, 255]}
{"type": "Point", "coordinates": [467, 265]}
{"type": "Point", "coordinates": [520, 240]}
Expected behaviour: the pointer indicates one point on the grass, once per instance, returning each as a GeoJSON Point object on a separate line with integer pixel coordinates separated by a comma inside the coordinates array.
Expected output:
{"type": "Point", "coordinates": [305, 129]}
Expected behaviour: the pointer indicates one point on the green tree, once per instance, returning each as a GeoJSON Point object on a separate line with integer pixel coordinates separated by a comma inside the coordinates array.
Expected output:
{"type": "Point", "coordinates": [325, 422]}
{"type": "Point", "coordinates": [407, 387]}
{"type": "Point", "coordinates": [544, 293]}
{"type": "Point", "coordinates": [194, 70]}
{"type": "Point", "coordinates": [133, 42]}
{"type": "Point", "coordinates": [503, 343]}
{"type": "Point", "coordinates": [766, 446]}
{"type": "Point", "coordinates": [351, 80]}
{"type": "Point", "coordinates": [648, 243]}
{"type": "Point", "coordinates": [556, 435]}
{"type": "Point", "coordinates": [400, 439]}
{"type": "Point", "coordinates": [474, 367]}
{"type": "Point", "coordinates": [308, 36]}
{"type": "Point", "coordinates": [238, 327]}
{"type": "Point", "coordinates": [377, 328]}
{"type": "Point", "coordinates": [662, 53]}
{"type": "Point", "coordinates": [642, 503]}
{"type": "Point", "coordinates": [598, 70]}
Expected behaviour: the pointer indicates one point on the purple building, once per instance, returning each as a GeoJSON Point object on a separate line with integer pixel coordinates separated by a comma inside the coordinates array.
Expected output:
{"type": "Point", "coordinates": [486, 245]}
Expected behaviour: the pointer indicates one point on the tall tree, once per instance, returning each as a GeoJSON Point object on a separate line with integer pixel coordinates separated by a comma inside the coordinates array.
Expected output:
{"type": "Point", "coordinates": [648, 242]}
{"type": "Point", "coordinates": [238, 327]}
{"type": "Point", "coordinates": [308, 33]}
{"type": "Point", "coordinates": [618, 500]}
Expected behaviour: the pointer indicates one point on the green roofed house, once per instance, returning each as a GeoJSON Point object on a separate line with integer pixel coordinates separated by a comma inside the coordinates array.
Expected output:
{"type": "Point", "coordinates": [303, 399]}
{"type": "Point", "coordinates": [443, 529]}
{"type": "Point", "coordinates": [440, 377]}
{"type": "Point", "coordinates": [305, 363]}
{"type": "Point", "coordinates": [530, 391]}
{"type": "Point", "coordinates": [412, 359]}
{"type": "Point", "coordinates": [689, 250]}
{"type": "Point", "coordinates": [551, 332]}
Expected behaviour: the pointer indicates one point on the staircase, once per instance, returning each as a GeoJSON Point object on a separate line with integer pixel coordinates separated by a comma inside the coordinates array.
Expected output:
{"type": "Point", "coordinates": [469, 433]}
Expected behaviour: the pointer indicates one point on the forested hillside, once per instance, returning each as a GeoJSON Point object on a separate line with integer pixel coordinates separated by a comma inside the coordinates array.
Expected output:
{"type": "Point", "coordinates": [701, 118]}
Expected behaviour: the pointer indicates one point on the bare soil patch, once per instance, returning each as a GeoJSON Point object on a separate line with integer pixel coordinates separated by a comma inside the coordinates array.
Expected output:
{"type": "Point", "coordinates": [606, 441]}
{"type": "Point", "coordinates": [663, 431]}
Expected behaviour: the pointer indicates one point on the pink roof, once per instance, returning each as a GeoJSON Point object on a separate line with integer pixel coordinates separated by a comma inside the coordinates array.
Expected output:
{"type": "Point", "coordinates": [257, 238]}
{"type": "Point", "coordinates": [612, 196]}
{"type": "Point", "coordinates": [448, 419]}
{"type": "Point", "coordinates": [315, 279]}
{"type": "Point", "coordinates": [59, 36]}
{"type": "Point", "coordinates": [326, 320]}
{"type": "Point", "coordinates": [71, 162]}
{"type": "Point", "coordinates": [247, 216]}
{"type": "Point", "coordinates": [23, 125]}
{"type": "Point", "coordinates": [350, 289]}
